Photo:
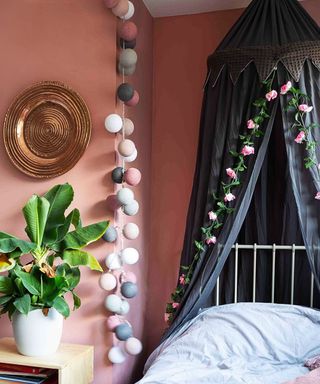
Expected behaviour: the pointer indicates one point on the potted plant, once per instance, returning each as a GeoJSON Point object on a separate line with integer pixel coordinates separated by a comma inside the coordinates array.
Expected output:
{"type": "Point", "coordinates": [40, 272]}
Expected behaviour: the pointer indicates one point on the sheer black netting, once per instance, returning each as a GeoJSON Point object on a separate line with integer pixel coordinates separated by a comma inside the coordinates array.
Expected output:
{"type": "Point", "coordinates": [276, 199]}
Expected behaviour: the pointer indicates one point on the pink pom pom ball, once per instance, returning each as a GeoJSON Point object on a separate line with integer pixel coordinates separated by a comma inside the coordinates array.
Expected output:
{"type": "Point", "coordinates": [134, 100]}
{"type": "Point", "coordinates": [111, 3]}
{"type": "Point", "coordinates": [132, 176]}
{"type": "Point", "coordinates": [113, 322]}
{"type": "Point", "coordinates": [128, 31]}
{"type": "Point", "coordinates": [113, 203]}
{"type": "Point", "coordinates": [130, 277]}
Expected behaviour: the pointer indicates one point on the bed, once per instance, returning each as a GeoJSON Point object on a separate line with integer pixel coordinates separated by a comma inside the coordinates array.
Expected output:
{"type": "Point", "coordinates": [243, 343]}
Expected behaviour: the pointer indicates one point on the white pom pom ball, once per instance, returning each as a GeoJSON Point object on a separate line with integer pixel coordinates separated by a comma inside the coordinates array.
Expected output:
{"type": "Point", "coordinates": [124, 308]}
{"type": "Point", "coordinates": [131, 209]}
{"type": "Point", "coordinates": [130, 12]}
{"type": "Point", "coordinates": [116, 356]}
{"type": "Point", "coordinates": [130, 256]}
{"type": "Point", "coordinates": [130, 231]}
{"type": "Point", "coordinates": [113, 261]}
{"type": "Point", "coordinates": [108, 281]}
{"type": "Point", "coordinates": [131, 158]}
{"type": "Point", "coordinates": [125, 196]}
{"type": "Point", "coordinates": [133, 346]}
{"type": "Point", "coordinates": [113, 123]}
{"type": "Point", "coordinates": [113, 303]}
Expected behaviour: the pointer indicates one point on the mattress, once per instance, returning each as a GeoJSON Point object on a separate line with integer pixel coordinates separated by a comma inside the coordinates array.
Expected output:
{"type": "Point", "coordinates": [244, 343]}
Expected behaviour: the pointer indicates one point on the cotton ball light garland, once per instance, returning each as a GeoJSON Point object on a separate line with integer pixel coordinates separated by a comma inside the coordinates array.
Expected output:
{"type": "Point", "coordinates": [130, 12]}
{"type": "Point", "coordinates": [125, 196]}
{"type": "Point", "coordinates": [131, 209]}
{"type": "Point", "coordinates": [132, 176]}
{"type": "Point", "coordinates": [113, 123]}
{"type": "Point", "coordinates": [126, 148]}
{"type": "Point", "coordinates": [131, 231]}
{"type": "Point", "coordinates": [121, 9]}
{"type": "Point", "coordinates": [116, 356]}
{"type": "Point", "coordinates": [128, 127]}
{"type": "Point", "coordinates": [107, 281]}
{"type": "Point", "coordinates": [110, 235]}
{"type": "Point", "coordinates": [128, 31]}
{"type": "Point", "coordinates": [111, 3]}
{"type": "Point", "coordinates": [128, 44]}
{"type": "Point", "coordinates": [113, 322]}
{"type": "Point", "coordinates": [113, 261]}
{"type": "Point", "coordinates": [130, 256]}
{"type": "Point", "coordinates": [123, 332]}
{"type": "Point", "coordinates": [129, 290]}
{"type": "Point", "coordinates": [134, 100]}
{"type": "Point", "coordinates": [117, 175]}
{"type": "Point", "coordinates": [131, 158]}
{"type": "Point", "coordinates": [133, 346]}
{"type": "Point", "coordinates": [113, 303]}
{"type": "Point", "coordinates": [128, 58]}
{"type": "Point", "coordinates": [124, 308]}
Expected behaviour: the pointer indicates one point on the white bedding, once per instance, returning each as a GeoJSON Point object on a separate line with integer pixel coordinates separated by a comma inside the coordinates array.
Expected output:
{"type": "Point", "coordinates": [236, 344]}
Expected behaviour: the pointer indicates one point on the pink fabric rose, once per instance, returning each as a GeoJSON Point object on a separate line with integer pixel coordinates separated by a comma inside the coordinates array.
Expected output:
{"type": "Point", "coordinates": [211, 240]}
{"type": "Point", "coordinates": [317, 196]}
{"type": "Point", "coordinates": [182, 279]}
{"type": "Point", "coordinates": [271, 95]}
{"type": "Point", "coordinates": [212, 216]}
{"type": "Point", "coordinates": [305, 108]}
{"type": "Point", "coordinates": [167, 317]}
{"type": "Point", "coordinates": [251, 124]}
{"type": "Point", "coordinates": [286, 88]}
{"type": "Point", "coordinates": [299, 139]}
{"type": "Point", "coordinates": [229, 197]}
{"type": "Point", "coordinates": [231, 173]}
{"type": "Point", "coordinates": [247, 150]}
{"type": "Point", "coordinates": [175, 305]}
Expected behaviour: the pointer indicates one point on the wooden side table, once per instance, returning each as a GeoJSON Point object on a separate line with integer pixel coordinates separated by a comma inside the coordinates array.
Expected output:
{"type": "Point", "coordinates": [74, 363]}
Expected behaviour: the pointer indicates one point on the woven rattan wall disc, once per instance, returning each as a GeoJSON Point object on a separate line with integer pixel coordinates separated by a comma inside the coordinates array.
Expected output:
{"type": "Point", "coordinates": [46, 130]}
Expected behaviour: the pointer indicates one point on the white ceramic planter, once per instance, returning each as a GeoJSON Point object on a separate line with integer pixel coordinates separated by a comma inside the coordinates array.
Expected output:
{"type": "Point", "coordinates": [36, 334]}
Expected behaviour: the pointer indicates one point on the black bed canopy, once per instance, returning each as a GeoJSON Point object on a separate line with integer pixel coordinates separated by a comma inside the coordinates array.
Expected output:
{"type": "Point", "coordinates": [273, 42]}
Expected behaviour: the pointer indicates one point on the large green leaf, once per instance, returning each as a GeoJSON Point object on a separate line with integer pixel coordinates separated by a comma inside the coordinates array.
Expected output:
{"type": "Point", "coordinates": [30, 282]}
{"type": "Point", "coordinates": [6, 285]}
{"type": "Point", "coordinates": [4, 300]}
{"type": "Point", "coordinates": [9, 243]}
{"type": "Point", "coordinates": [61, 306]}
{"type": "Point", "coordinates": [75, 258]}
{"type": "Point", "coordinates": [82, 237]}
{"type": "Point", "coordinates": [74, 219]}
{"type": "Point", "coordinates": [59, 197]}
{"type": "Point", "coordinates": [36, 213]}
{"type": "Point", "coordinates": [72, 275]}
{"type": "Point", "coordinates": [23, 304]}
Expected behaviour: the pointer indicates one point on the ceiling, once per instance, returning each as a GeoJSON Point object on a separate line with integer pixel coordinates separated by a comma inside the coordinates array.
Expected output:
{"type": "Point", "coordinates": [159, 8]}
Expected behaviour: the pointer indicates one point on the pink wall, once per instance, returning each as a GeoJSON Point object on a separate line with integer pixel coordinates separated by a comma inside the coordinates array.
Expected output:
{"type": "Point", "coordinates": [74, 41]}
{"type": "Point", "coordinates": [181, 47]}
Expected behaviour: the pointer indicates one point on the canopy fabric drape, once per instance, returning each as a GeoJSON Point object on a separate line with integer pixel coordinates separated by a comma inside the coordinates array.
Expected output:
{"type": "Point", "coordinates": [275, 201]}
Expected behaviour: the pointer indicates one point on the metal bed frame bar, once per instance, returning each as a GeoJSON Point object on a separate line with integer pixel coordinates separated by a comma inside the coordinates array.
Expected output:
{"type": "Point", "coordinates": [255, 247]}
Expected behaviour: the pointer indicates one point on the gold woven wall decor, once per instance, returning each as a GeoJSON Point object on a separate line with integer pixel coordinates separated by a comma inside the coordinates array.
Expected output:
{"type": "Point", "coordinates": [46, 130]}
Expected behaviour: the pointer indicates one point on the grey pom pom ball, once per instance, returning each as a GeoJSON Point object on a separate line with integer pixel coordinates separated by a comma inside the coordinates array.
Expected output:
{"type": "Point", "coordinates": [117, 175]}
{"type": "Point", "coordinates": [129, 290]}
{"type": "Point", "coordinates": [125, 92]}
{"type": "Point", "coordinates": [110, 235]}
{"type": "Point", "coordinates": [128, 57]}
{"type": "Point", "coordinates": [123, 332]}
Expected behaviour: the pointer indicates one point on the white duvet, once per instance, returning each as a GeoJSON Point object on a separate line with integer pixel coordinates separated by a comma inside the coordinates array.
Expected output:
{"type": "Point", "coordinates": [236, 344]}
